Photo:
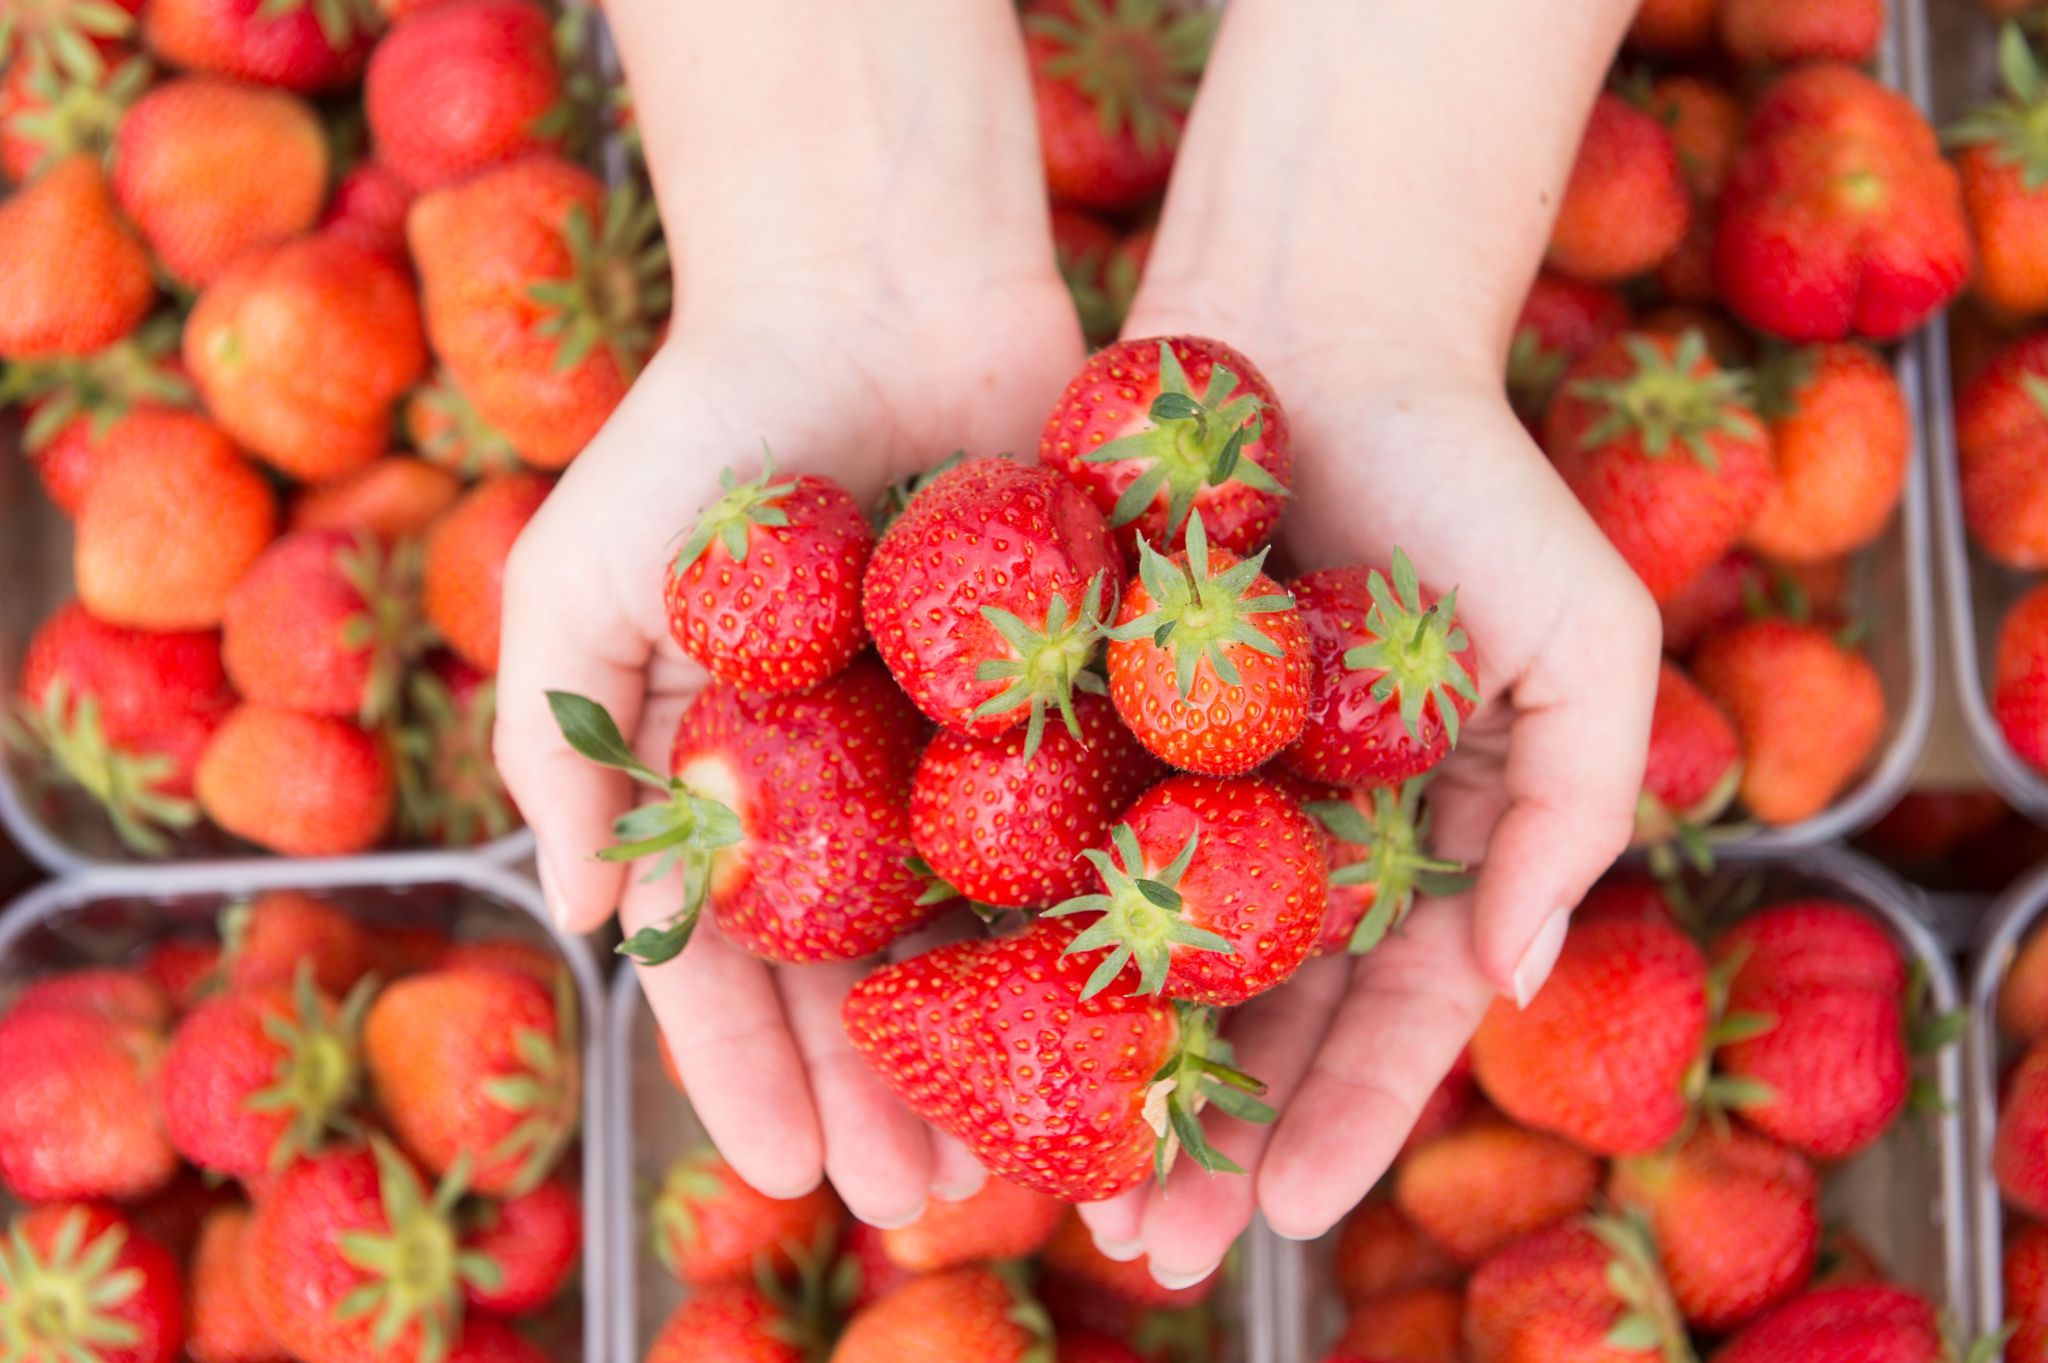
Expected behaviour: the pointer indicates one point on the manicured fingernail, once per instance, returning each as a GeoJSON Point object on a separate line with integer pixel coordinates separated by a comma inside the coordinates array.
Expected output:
{"type": "Point", "coordinates": [551, 891]}
{"type": "Point", "coordinates": [895, 1222]}
{"type": "Point", "coordinates": [1123, 1251]}
{"type": "Point", "coordinates": [1539, 956]}
{"type": "Point", "coordinates": [1174, 1282]}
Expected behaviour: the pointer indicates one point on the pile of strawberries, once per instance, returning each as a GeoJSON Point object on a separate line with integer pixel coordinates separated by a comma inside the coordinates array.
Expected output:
{"type": "Point", "coordinates": [312, 1139]}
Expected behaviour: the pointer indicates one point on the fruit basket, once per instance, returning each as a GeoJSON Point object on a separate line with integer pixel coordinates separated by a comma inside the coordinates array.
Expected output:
{"type": "Point", "coordinates": [108, 917]}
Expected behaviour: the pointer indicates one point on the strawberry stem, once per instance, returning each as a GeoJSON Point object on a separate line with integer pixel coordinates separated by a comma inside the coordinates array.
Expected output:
{"type": "Point", "coordinates": [1142, 918]}
{"type": "Point", "coordinates": [1398, 865]}
{"type": "Point", "coordinates": [726, 520]}
{"type": "Point", "coordinates": [1046, 665]}
{"type": "Point", "coordinates": [128, 786]}
{"type": "Point", "coordinates": [319, 1070]}
{"type": "Point", "coordinates": [416, 1267]}
{"type": "Point", "coordinates": [60, 1304]}
{"type": "Point", "coordinates": [1667, 399]}
{"type": "Point", "coordinates": [1136, 60]}
{"type": "Point", "coordinates": [1197, 614]}
{"type": "Point", "coordinates": [1197, 1074]}
{"type": "Point", "coordinates": [1426, 667]}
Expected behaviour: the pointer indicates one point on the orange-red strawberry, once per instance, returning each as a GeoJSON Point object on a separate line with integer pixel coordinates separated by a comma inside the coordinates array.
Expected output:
{"type": "Point", "coordinates": [712, 1227]}
{"type": "Point", "coordinates": [1393, 676]}
{"type": "Point", "coordinates": [47, 113]}
{"type": "Point", "coordinates": [82, 410]}
{"type": "Point", "coordinates": [314, 46]}
{"type": "Point", "coordinates": [1209, 659]}
{"type": "Point", "coordinates": [222, 1323]}
{"type": "Point", "coordinates": [860, 1249]}
{"type": "Point", "coordinates": [1840, 217]}
{"type": "Point", "coordinates": [462, 87]}
{"type": "Point", "coordinates": [1070, 1112]}
{"type": "Point", "coordinates": [1603, 1053]}
{"type": "Point", "coordinates": [1561, 320]}
{"type": "Point", "coordinates": [966, 1314]}
{"type": "Point", "coordinates": [1214, 892]}
{"type": "Point", "coordinates": [212, 170]}
{"type": "Point", "coordinates": [72, 277]}
{"type": "Point", "coordinates": [541, 298]}
{"type": "Point", "coordinates": [1705, 120]}
{"type": "Point", "coordinates": [2018, 1161]}
{"type": "Point", "coordinates": [1487, 1182]}
{"type": "Point", "coordinates": [1379, 1251]}
{"type": "Point", "coordinates": [444, 427]}
{"type": "Point", "coordinates": [300, 785]}
{"type": "Point", "coordinates": [1815, 941]}
{"type": "Point", "coordinates": [733, 1322]}
{"type": "Point", "coordinates": [169, 526]}
{"type": "Point", "coordinates": [477, 1066]}
{"type": "Point", "coordinates": [2002, 157]}
{"type": "Point", "coordinates": [533, 1240]}
{"type": "Point", "coordinates": [1773, 33]}
{"type": "Point", "coordinates": [1578, 1292]}
{"type": "Point", "coordinates": [1002, 1221]}
{"type": "Point", "coordinates": [1661, 446]}
{"type": "Point", "coordinates": [1415, 1325]}
{"type": "Point", "coordinates": [77, 1112]}
{"type": "Point", "coordinates": [1694, 768]}
{"type": "Point", "coordinates": [2005, 499]}
{"type": "Point", "coordinates": [1808, 708]}
{"type": "Point", "coordinates": [1159, 429]}
{"type": "Point", "coordinates": [1376, 843]}
{"type": "Point", "coordinates": [2003, 399]}
{"type": "Point", "coordinates": [464, 574]}
{"type": "Point", "coordinates": [81, 1282]}
{"type": "Point", "coordinates": [1840, 441]}
{"type": "Point", "coordinates": [1625, 207]}
{"type": "Point", "coordinates": [1673, 28]}
{"type": "Point", "coordinates": [1008, 830]}
{"type": "Point", "coordinates": [1071, 1258]}
{"type": "Point", "coordinates": [1113, 84]}
{"type": "Point", "coordinates": [394, 498]}
{"type": "Point", "coordinates": [765, 592]}
{"type": "Point", "coordinates": [368, 208]}
{"type": "Point", "coordinates": [265, 943]}
{"type": "Point", "coordinates": [986, 596]}
{"type": "Point", "coordinates": [1874, 1324]}
{"type": "Point", "coordinates": [449, 788]}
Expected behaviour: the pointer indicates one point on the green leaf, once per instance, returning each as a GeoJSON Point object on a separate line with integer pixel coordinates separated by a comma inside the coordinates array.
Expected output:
{"type": "Point", "coordinates": [589, 728]}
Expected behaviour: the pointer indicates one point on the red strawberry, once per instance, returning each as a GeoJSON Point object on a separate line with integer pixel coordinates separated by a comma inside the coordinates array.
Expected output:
{"type": "Point", "coordinates": [462, 582]}
{"type": "Point", "coordinates": [1418, 1325]}
{"type": "Point", "coordinates": [1113, 84]}
{"type": "Point", "coordinates": [790, 813]}
{"type": "Point", "coordinates": [77, 1111]}
{"type": "Point", "coordinates": [2025, 1270]}
{"type": "Point", "coordinates": [2023, 993]}
{"type": "Point", "coordinates": [1002, 1221]}
{"type": "Point", "coordinates": [1215, 892]}
{"type": "Point", "coordinates": [967, 1314]}
{"type": "Point", "coordinates": [1814, 942]}
{"type": "Point", "coordinates": [711, 1227]}
{"type": "Point", "coordinates": [862, 1257]}
{"type": "Point", "coordinates": [1456, 1094]}
{"type": "Point", "coordinates": [444, 427]}
{"type": "Point", "coordinates": [1772, 33]}
{"type": "Point", "coordinates": [222, 1320]}
{"type": "Point", "coordinates": [1484, 1184]}
{"type": "Point", "coordinates": [1876, 1324]}
{"type": "Point", "coordinates": [501, 953]}
{"type": "Point", "coordinates": [1392, 678]}
{"type": "Point", "coordinates": [486, 1339]}
{"type": "Point", "coordinates": [1071, 1113]}
{"type": "Point", "coordinates": [300, 785]}
{"type": "Point", "coordinates": [368, 208]}
{"type": "Point", "coordinates": [1706, 127]}
{"type": "Point", "coordinates": [1083, 1346]}
{"type": "Point", "coordinates": [391, 499]}
{"type": "Point", "coordinates": [986, 596]}
{"type": "Point", "coordinates": [533, 1239]}
{"type": "Point", "coordinates": [2016, 1160]}
{"type": "Point", "coordinates": [1695, 765]}
{"type": "Point", "coordinates": [1840, 439]}
{"type": "Point", "coordinates": [72, 278]}
{"type": "Point", "coordinates": [185, 970]}
{"type": "Point", "coordinates": [732, 1322]}
{"type": "Point", "coordinates": [1157, 429]}
{"type": "Point", "coordinates": [2019, 691]}
{"type": "Point", "coordinates": [1716, 599]}
{"type": "Point", "coordinates": [265, 942]}
{"type": "Point", "coordinates": [1380, 1251]}
{"type": "Point", "coordinates": [1578, 1292]}
{"type": "Point", "coordinates": [1561, 320]}
{"type": "Point", "coordinates": [2003, 163]}
{"type": "Point", "coordinates": [1009, 831]}
{"type": "Point", "coordinates": [449, 789]}
{"type": "Point", "coordinates": [80, 1282]}
{"type": "Point", "coordinates": [463, 87]}
{"type": "Point", "coordinates": [1203, 606]}
{"type": "Point", "coordinates": [122, 995]}
{"type": "Point", "coordinates": [307, 45]}
{"type": "Point", "coordinates": [48, 113]}
{"type": "Point", "coordinates": [1376, 846]}
{"type": "Point", "coordinates": [84, 412]}
{"type": "Point", "coordinates": [1625, 208]}
{"type": "Point", "coordinates": [765, 592]}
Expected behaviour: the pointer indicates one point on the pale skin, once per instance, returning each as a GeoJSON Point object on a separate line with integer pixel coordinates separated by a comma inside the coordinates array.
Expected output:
{"type": "Point", "coordinates": [866, 283]}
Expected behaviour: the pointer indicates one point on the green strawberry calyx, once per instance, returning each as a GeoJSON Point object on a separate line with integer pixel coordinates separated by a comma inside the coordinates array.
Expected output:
{"type": "Point", "coordinates": [1414, 648]}
{"type": "Point", "coordinates": [545, 1093]}
{"type": "Point", "coordinates": [449, 790]}
{"type": "Point", "coordinates": [319, 1066]}
{"type": "Point", "coordinates": [66, 731]}
{"type": "Point", "coordinates": [617, 288]}
{"type": "Point", "coordinates": [1534, 371]}
{"type": "Point", "coordinates": [1667, 399]}
{"type": "Point", "coordinates": [814, 1302]}
{"type": "Point", "coordinates": [1199, 1073]}
{"type": "Point", "coordinates": [1650, 1321]}
{"type": "Point", "coordinates": [340, 20]}
{"type": "Point", "coordinates": [683, 829]}
{"type": "Point", "coordinates": [463, 443]}
{"type": "Point", "coordinates": [1198, 614]}
{"type": "Point", "coordinates": [727, 520]}
{"type": "Point", "coordinates": [2014, 127]}
{"type": "Point", "coordinates": [414, 1269]}
{"type": "Point", "coordinates": [389, 627]}
{"type": "Point", "coordinates": [102, 387]}
{"type": "Point", "coordinates": [1136, 60]}
{"type": "Point", "coordinates": [1142, 918]}
{"type": "Point", "coordinates": [1713, 1092]}
{"type": "Point", "coordinates": [696, 1178]}
{"type": "Point", "coordinates": [1046, 665]}
{"type": "Point", "coordinates": [71, 114]}
{"type": "Point", "coordinates": [59, 34]}
{"type": "Point", "coordinates": [62, 1303]}
{"type": "Point", "coordinates": [1397, 865]}
{"type": "Point", "coordinates": [1675, 836]}
{"type": "Point", "coordinates": [1195, 441]}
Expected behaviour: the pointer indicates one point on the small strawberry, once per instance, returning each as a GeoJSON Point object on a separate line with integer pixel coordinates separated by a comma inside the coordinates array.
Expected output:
{"type": "Point", "coordinates": [711, 1227]}
{"type": "Point", "coordinates": [80, 1282]}
{"type": "Point", "coordinates": [265, 942]}
{"type": "Point", "coordinates": [501, 953]}
{"type": "Point", "coordinates": [1876, 1324]}
{"type": "Point", "coordinates": [299, 785]}
{"type": "Point", "coordinates": [1719, 597]}
{"type": "Point", "coordinates": [862, 1258]}
{"type": "Point", "coordinates": [1002, 1221]}
{"type": "Point", "coordinates": [312, 46]}
{"type": "Point", "coordinates": [1377, 850]}
{"type": "Point", "coordinates": [449, 790]}
{"type": "Point", "coordinates": [1694, 768]}
{"type": "Point", "coordinates": [444, 427]}
{"type": "Point", "coordinates": [1488, 1182]}
{"type": "Point", "coordinates": [72, 278]}
{"type": "Point", "coordinates": [83, 410]}
{"type": "Point", "coordinates": [2005, 398]}
{"type": "Point", "coordinates": [1155, 430]}
{"type": "Point", "coordinates": [1579, 1292]}
{"type": "Point", "coordinates": [1561, 320]}
{"type": "Point", "coordinates": [2003, 162]}
{"type": "Point", "coordinates": [47, 113]}
{"type": "Point", "coordinates": [77, 1116]}
{"type": "Point", "coordinates": [967, 1314]}
{"type": "Point", "coordinates": [467, 85]}
{"type": "Point", "coordinates": [1771, 33]}
{"type": "Point", "coordinates": [1840, 440]}
{"type": "Point", "coordinates": [1455, 1095]}
{"type": "Point", "coordinates": [1106, 1089]}
{"type": "Point", "coordinates": [1379, 1251]}
{"type": "Point", "coordinates": [986, 596]}
{"type": "Point", "coordinates": [222, 1323]}
{"type": "Point", "coordinates": [463, 578]}
{"type": "Point", "coordinates": [765, 592]}
{"type": "Point", "coordinates": [1705, 120]}
{"type": "Point", "coordinates": [1625, 208]}
{"type": "Point", "coordinates": [1415, 1325]}
{"type": "Point", "coordinates": [1084, 1346]}
{"type": "Point", "coordinates": [533, 1239]}
{"type": "Point", "coordinates": [1673, 28]}
{"type": "Point", "coordinates": [394, 498]}
{"type": "Point", "coordinates": [368, 207]}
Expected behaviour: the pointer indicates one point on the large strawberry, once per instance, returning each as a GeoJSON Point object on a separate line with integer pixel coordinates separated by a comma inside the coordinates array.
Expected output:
{"type": "Point", "coordinates": [987, 595]}
{"type": "Point", "coordinates": [1157, 429]}
{"type": "Point", "coordinates": [465, 86]}
{"type": "Point", "coordinates": [77, 1112]}
{"type": "Point", "coordinates": [1487, 1182]}
{"type": "Point", "coordinates": [967, 1314]}
{"type": "Point", "coordinates": [1840, 441]}
{"type": "Point", "coordinates": [462, 583]}
{"type": "Point", "coordinates": [2003, 162]}
{"type": "Point", "coordinates": [79, 1281]}
{"type": "Point", "coordinates": [1377, 845]}
{"type": "Point", "coordinates": [711, 1227]}
{"type": "Point", "coordinates": [1102, 1092]}
{"type": "Point", "coordinates": [1625, 208]}
{"type": "Point", "coordinates": [72, 277]}
{"type": "Point", "coordinates": [1579, 1292]}
{"type": "Point", "coordinates": [1879, 1323]}
{"type": "Point", "coordinates": [1214, 891]}
{"type": "Point", "coordinates": [313, 46]}
{"type": "Point", "coordinates": [788, 813]}
{"type": "Point", "coordinates": [301, 785]}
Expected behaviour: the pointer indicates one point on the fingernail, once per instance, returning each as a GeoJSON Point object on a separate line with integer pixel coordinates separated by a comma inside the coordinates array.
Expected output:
{"type": "Point", "coordinates": [1302, 1238]}
{"type": "Point", "coordinates": [898, 1222]}
{"type": "Point", "coordinates": [551, 890]}
{"type": "Point", "coordinates": [958, 1192]}
{"type": "Point", "coordinates": [1123, 1251]}
{"type": "Point", "coordinates": [1174, 1282]}
{"type": "Point", "coordinates": [1540, 956]}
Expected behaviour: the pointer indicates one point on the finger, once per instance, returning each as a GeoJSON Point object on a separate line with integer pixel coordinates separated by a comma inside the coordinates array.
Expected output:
{"type": "Point", "coordinates": [1118, 1224]}
{"type": "Point", "coordinates": [956, 1174]}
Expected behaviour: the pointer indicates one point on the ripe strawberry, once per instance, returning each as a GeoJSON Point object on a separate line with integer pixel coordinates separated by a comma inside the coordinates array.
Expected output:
{"type": "Point", "coordinates": [765, 592]}
{"type": "Point", "coordinates": [533, 1239]}
{"type": "Point", "coordinates": [1705, 120]}
{"type": "Point", "coordinates": [266, 941]}
{"type": "Point", "coordinates": [462, 87]}
{"type": "Point", "coordinates": [368, 208]}
{"type": "Point", "coordinates": [2023, 993]}
{"type": "Point", "coordinates": [1561, 320]}
{"type": "Point", "coordinates": [169, 527]}
{"type": "Point", "coordinates": [1417, 1325]}
{"type": "Point", "coordinates": [72, 278]}
{"type": "Point", "coordinates": [48, 113]}
{"type": "Point", "coordinates": [2025, 1271]}
{"type": "Point", "coordinates": [392, 498]}
{"type": "Point", "coordinates": [299, 785]}
{"type": "Point", "coordinates": [81, 411]}
{"type": "Point", "coordinates": [2003, 162]}
{"type": "Point", "coordinates": [1579, 1291]}
{"type": "Point", "coordinates": [79, 1281]}
{"type": "Point", "coordinates": [1072, 1113]}
{"type": "Point", "coordinates": [464, 572]}
{"type": "Point", "coordinates": [121, 995]}
{"type": "Point", "coordinates": [968, 1314]}
{"type": "Point", "coordinates": [222, 1322]}
{"type": "Point", "coordinates": [1877, 1324]}
{"type": "Point", "coordinates": [77, 1116]}
{"type": "Point", "coordinates": [1486, 1183]}
{"type": "Point", "coordinates": [124, 714]}
{"type": "Point", "coordinates": [486, 1339]}
{"type": "Point", "coordinates": [2001, 435]}
{"type": "Point", "coordinates": [2016, 1158]}
{"type": "Point", "coordinates": [1695, 766]}
{"type": "Point", "coordinates": [1010, 831]}
{"type": "Point", "coordinates": [1455, 1095]}
{"type": "Point", "coordinates": [477, 1066]}
{"type": "Point", "coordinates": [809, 792]}
{"type": "Point", "coordinates": [1808, 709]}
{"type": "Point", "coordinates": [711, 1227]}
{"type": "Point", "coordinates": [1376, 846]}
{"type": "Point", "coordinates": [1072, 1264]}
{"type": "Point", "coordinates": [185, 970]}
{"type": "Point", "coordinates": [1379, 1251]}
{"type": "Point", "coordinates": [1840, 217]}
{"type": "Point", "coordinates": [1840, 438]}
{"type": "Point", "coordinates": [1158, 429]}
{"type": "Point", "coordinates": [1736, 1219]}
{"type": "Point", "coordinates": [1673, 28]}
{"type": "Point", "coordinates": [1770, 33]}
{"type": "Point", "coordinates": [72, 36]}
{"type": "Point", "coordinates": [733, 1322]}
{"type": "Point", "coordinates": [1113, 84]}
{"type": "Point", "coordinates": [1718, 598]}
{"type": "Point", "coordinates": [541, 298]}
{"type": "Point", "coordinates": [1603, 1053]}
{"type": "Point", "coordinates": [449, 790]}
{"type": "Point", "coordinates": [444, 427]}
{"type": "Point", "coordinates": [313, 46]}
{"type": "Point", "coordinates": [212, 170]}
{"type": "Point", "coordinates": [986, 596]}
{"type": "Point", "coordinates": [1662, 447]}
{"type": "Point", "coordinates": [1625, 207]}
{"type": "Point", "coordinates": [1814, 942]}
{"type": "Point", "coordinates": [1392, 680]}
{"type": "Point", "coordinates": [1002, 1221]}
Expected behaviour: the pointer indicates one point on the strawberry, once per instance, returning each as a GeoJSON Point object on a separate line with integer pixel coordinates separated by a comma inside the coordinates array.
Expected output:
{"type": "Point", "coordinates": [541, 297]}
{"type": "Point", "coordinates": [223, 1325]}
{"type": "Point", "coordinates": [1074, 1265]}
{"type": "Point", "coordinates": [481, 1067]}
{"type": "Point", "coordinates": [966, 1315]}
{"type": "Point", "coordinates": [73, 36]}
{"type": "Point", "coordinates": [1736, 1219]}
{"type": "Point", "coordinates": [124, 714]}
{"type": "Point", "coordinates": [1808, 709]}
{"type": "Point", "coordinates": [533, 1239]}
{"type": "Point", "coordinates": [1603, 1054]}
{"type": "Point", "coordinates": [47, 113]}
{"type": "Point", "coordinates": [1416, 1325]}
{"type": "Point", "coordinates": [1673, 28]}
{"type": "Point", "coordinates": [265, 942]}
{"type": "Point", "coordinates": [1694, 768]}
{"type": "Point", "coordinates": [1456, 1094]}
{"type": "Point", "coordinates": [1876, 1324]}
{"type": "Point", "coordinates": [2025, 1271]}
{"type": "Point", "coordinates": [77, 1118]}
{"type": "Point", "coordinates": [368, 208]}
{"type": "Point", "coordinates": [2005, 499]}
{"type": "Point", "coordinates": [1376, 848]}
{"type": "Point", "coordinates": [212, 170]}
{"type": "Point", "coordinates": [312, 46]}
{"type": "Point", "coordinates": [1625, 208]}
{"type": "Point", "coordinates": [323, 624]}
{"type": "Point", "coordinates": [1379, 1251]}
{"type": "Point", "coordinates": [789, 814]}
{"type": "Point", "coordinates": [2023, 993]}
{"type": "Point", "coordinates": [1719, 597]}
{"type": "Point", "coordinates": [72, 278]}
{"type": "Point", "coordinates": [1561, 320]}
{"type": "Point", "coordinates": [169, 528]}
{"type": "Point", "coordinates": [1661, 446]}
{"type": "Point", "coordinates": [1487, 1182]}
{"type": "Point", "coordinates": [121, 995]}
{"type": "Point", "coordinates": [1006, 830]}
{"type": "Point", "coordinates": [2003, 161]}
{"type": "Point", "coordinates": [299, 785]}
{"type": "Point", "coordinates": [1840, 216]}
{"type": "Point", "coordinates": [449, 790]}
{"type": "Point", "coordinates": [1771, 33]}
{"type": "Point", "coordinates": [444, 427]}
{"type": "Point", "coordinates": [1002, 1221]}
{"type": "Point", "coordinates": [1392, 679]}
{"type": "Point", "coordinates": [500, 953]}
{"type": "Point", "coordinates": [1155, 430]}
{"type": "Point", "coordinates": [1072, 1113]}
{"type": "Point", "coordinates": [1113, 83]}
{"type": "Point", "coordinates": [392, 498]}
{"type": "Point", "coordinates": [1817, 942]}
{"type": "Point", "coordinates": [1085, 248]}
{"type": "Point", "coordinates": [464, 572]}
{"type": "Point", "coordinates": [711, 1227]}
{"type": "Point", "coordinates": [80, 1282]}
{"type": "Point", "coordinates": [465, 86]}
{"type": "Point", "coordinates": [1841, 438]}
{"type": "Point", "coordinates": [986, 595]}
{"type": "Point", "coordinates": [2016, 1158]}
{"type": "Point", "coordinates": [256, 1078]}
{"type": "Point", "coordinates": [1705, 120]}
{"type": "Point", "coordinates": [185, 970]}
{"type": "Point", "coordinates": [735, 1322]}
{"type": "Point", "coordinates": [765, 592]}
{"type": "Point", "coordinates": [83, 410]}
{"type": "Point", "coordinates": [486, 1339]}
{"type": "Point", "coordinates": [1579, 1292]}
